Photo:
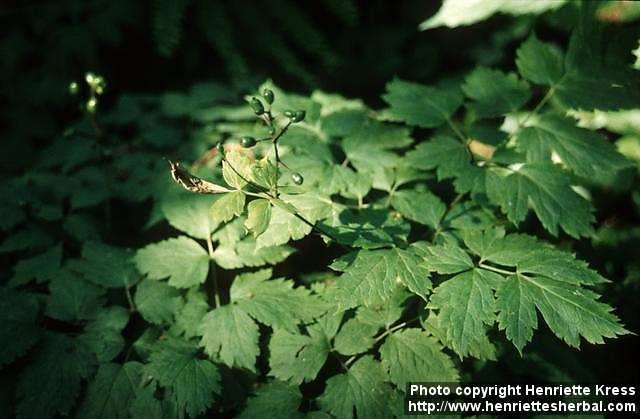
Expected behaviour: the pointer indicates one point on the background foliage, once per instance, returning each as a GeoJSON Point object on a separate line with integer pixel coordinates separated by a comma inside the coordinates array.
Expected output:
{"type": "Point", "coordinates": [124, 295]}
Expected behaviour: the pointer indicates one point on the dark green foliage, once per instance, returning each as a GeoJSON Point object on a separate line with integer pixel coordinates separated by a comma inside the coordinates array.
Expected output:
{"type": "Point", "coordinates": [311, 254]}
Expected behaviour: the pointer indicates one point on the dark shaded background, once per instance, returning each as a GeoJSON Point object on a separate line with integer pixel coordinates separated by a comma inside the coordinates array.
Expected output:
{"type": "Point", "coordinates": [349, 47]}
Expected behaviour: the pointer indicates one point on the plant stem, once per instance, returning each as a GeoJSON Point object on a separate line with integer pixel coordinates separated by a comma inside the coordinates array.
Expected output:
{"type": "Point", "coordinates": [494, 269]}
{"type": "Point", "coordinates": [216, 294]}
{"type": "Point", "coordinates": [457, 131]}
{"type": "Point", "coordinates": [127, 293]}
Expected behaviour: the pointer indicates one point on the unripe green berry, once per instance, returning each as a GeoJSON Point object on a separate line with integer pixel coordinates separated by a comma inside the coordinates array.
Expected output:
{"type": "Point", "coordinates": [298, 116]}
{"type": "Point", "coordinates": [91, 105]}
{"type": "Point", "coordinates": [257, 106]}
{"type": "Point", "coordinates": [297, 178]}
{"type": "Point", "coordinates": [289, 113]}
{"type": "Point", "coordinates": [247, 142]}
{"type": "Point", "coordinates": [268, 96]}
{"type": "Point", "coordinates": [73, 88]}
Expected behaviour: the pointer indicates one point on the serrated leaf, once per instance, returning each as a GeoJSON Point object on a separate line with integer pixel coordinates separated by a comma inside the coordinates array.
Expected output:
{"type": "Point", "coordinates": [41, 267]}
{"type": "Point", "coordinates": [247, 253]}
{"type": "Point", "coordinates": [105, 265]}
{"type": "Point", "coordinates": [274, 399]}
{"type": "Point", "coordinates": [258, 216]}
{"type": "Point", "coordinates": [372, 276]}
{"type": "Point", "coordinates": [297, 358]}
{"type": "Point", "coordinates": [411, 355]}
{"type": "Point", "coordinates": [189, 316]}
{"type": "Point", "coordinates": [182, 260]}
{"type": "Point", "coordinates": [30, 237]}
{"type": "Point", "coordinates": [361, 391]}
{"type": "Point", "coordinates": [539, 62]}
{"type": "Point", "coordinates": [190, 213]}
{"type": "Point", "coordinates": [420, 105]}
{"type": "Point", "coordinates": [231, 336]}
{"type": "Point", "coordinates": [570, 311]}
{"type": "Point", "coordinates": [368, 228]}
{"type": "Point", "coordinates": [72, 298]}
{"type": "Point", "coordinates": [236, 169]}
{"type": "Point", "coordinates": [355, 337]}
{"type": "Point", "coordinates": [191, 382]}
{"type": "Point", "coordinates": [18, 329]}
{"type": "Point", "coordinates": [585, 152]}
{"type": "Point", "coordinates": [39, 391]}
{"type": "Point", "coordinates": [103, 336]}
{"type": "Point", "coordinates": [451, 159]}
{"type": "Point", "coordinates": [546, 189]}
{"type": "Point", "coordinates": [112, 391]}
{"type": "Point", "coordinates": [420, 206]}
{"type": "Point", "coordinates": [227, 206]}
{"type": "Point", "coordinates": [283, 226]}
{"type": "Point", "coordinates": [157, 302]}
{"type": "Point", "coordinates": [275, 302]}
{"type": "Point", "coordinates": [384, 314]}
{"type": "Point", "coordinates": [494, 92]}
{"type": "Point", "coordinates": [448, 258]}
{"type": "Point", "coordinates": [466, 307]}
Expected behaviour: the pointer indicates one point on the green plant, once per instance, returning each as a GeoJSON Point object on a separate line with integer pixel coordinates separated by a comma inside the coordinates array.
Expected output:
{"type": "Point", "coordinates": [451, 219]}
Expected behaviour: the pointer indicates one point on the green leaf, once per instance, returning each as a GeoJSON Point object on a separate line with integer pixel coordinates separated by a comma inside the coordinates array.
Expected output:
{"type": "Point", "coordinates": [230, 335]}
{"type": "Point", "coordinates": [569, 310]}
{"type": "Point", "coordinates": [419, 105]}
{"type": "Point", "coordinates": [585, 152]}
{"type": "Point", "coordinates": [191, 214]}
{"type": "Point", "coordinates": [355, 337]}
{"type": "Point", "coordinates": [368, 228]}
{"type": "Point", "coordinates": [182, 260]}
{"type": "Point", "coordinates": [146, 405]}
{"type": "Point", "coordinates": [466, 307]}
{"type": "Point", "coordinates": [412, 355]}
{"type": "Point", "coordinates": [420, 206]}
{"type": "Point", "coordinates": [274, 399]}
{"type": "Point", "coordinates": [539, 62]}
{"type": "Point", "coordinates": [105, 265]}
{"type": "Point", "coordinates": [28, 238]}
{"type": "Point", "coordinates": [494, 92]}
{"type": "Point", "coordinates": [275, 302]}
{"type": "Point", "coordinates": [189, 316]}
{"type": "Point", "coordinates": [385, 314]}
{"type": "Point", "coordinates": [481, 348]}
{"type": "Point", "coordinates": [72, 298]}
{"type": "Point", "coordinates": [227, 206]}
{"type": "Point", "coordinates": [50, 384]}
{"type": "Point", "coordinates": [42, 267]}
{"type": "Point", "coordinates": [103, 336]}
{"type": "Point", "coordinates": [451, 159]}
{"type": "Point", "coordinates": [297, 358]}
{"type": "Point", "coordinates": [372, 276]}
{"type": "Point", "coordinates": [283, 226]}
{"type": "Point", "coordinates": [190, 382]}
{"type": "Point", "coordinates": [362, 389]}
{"type": "Point", "coordinates": [247, 253]}
{"type": "Point", "coordinates": [448, 258]}
{"type": "Point", "coordinates": [19, 330]}
{"type": "Point", "coordinates": [258, 216]}
{"type": "Point", "coordinates": [112, 391]}
{"type": "Point", "coordinates": [546, 189]}
{"type": "Point", "coordinates": [157, 302]}
{"type": "Point", "coordinates": [236, 169]}
{"type": "Point", "coordinates": [264, 173]}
